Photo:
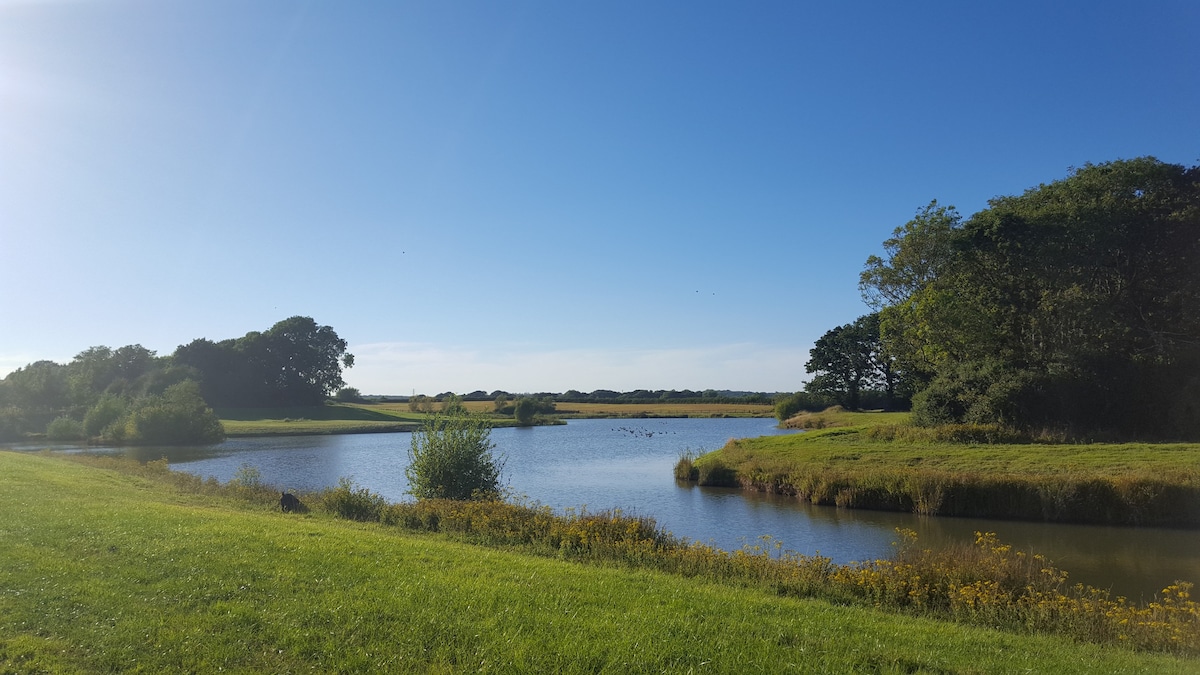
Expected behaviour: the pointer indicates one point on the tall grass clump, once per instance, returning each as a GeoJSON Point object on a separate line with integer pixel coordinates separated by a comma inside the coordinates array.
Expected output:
{"type": "Point", "coordinates": [352, 502]}
{"type": "Point", "coordinates": [966, 434]}
{"type": "Point", "coordinates": [685, 467]}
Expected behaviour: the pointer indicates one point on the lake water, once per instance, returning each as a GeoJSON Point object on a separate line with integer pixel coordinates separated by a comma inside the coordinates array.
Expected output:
{"type": "Point", "coordinates": [627, 464]}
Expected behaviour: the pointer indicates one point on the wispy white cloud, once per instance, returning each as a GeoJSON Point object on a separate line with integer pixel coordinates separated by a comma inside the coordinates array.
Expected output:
{"type": "Point", "coordinates": [11, 361]}
{"type": "Point", "coordinates": [404, 368]}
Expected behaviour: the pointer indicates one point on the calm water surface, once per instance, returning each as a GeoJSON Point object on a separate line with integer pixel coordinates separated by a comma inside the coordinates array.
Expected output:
{"type": "Point", "coordinates": [627, 464]}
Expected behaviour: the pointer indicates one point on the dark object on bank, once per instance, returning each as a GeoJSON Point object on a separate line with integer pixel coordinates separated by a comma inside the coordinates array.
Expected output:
{"type": "Point", "coordinates": [288, 502]}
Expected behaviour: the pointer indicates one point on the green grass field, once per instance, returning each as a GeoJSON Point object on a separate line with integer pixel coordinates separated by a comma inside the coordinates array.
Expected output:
{"type": "Point", "coordinates": [334, 418]}
{"type": "Point", "coordinates": [110, 572]}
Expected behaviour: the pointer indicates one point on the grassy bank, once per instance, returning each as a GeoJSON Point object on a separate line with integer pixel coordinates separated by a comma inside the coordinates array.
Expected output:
{"type": "Point", "coordinates": [334, 418]}
{"type": "Point", "coordinates": [964, 471]}
{"type": "Point", "coordinates": [109, 571]}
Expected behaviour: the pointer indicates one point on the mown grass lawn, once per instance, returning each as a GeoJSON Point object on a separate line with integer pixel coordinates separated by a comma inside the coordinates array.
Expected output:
{"type": "Point", "coordinates": [108, 572]}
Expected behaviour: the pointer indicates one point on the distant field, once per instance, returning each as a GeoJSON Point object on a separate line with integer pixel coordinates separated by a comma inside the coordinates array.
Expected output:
{"type": "Point", "coordinates": [620, 409]}
{"type": "Point", "coordinates": [337, 418]}
{"type": "Point", "coordinates": [665, 409]}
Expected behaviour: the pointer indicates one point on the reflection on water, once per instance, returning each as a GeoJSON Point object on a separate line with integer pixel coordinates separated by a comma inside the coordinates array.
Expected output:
{"type": "Point", "coordinates": [627, 464]}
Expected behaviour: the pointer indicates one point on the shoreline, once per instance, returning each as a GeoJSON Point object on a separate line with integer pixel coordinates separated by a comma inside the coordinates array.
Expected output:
{"type": "Point", "coordinates": [862, 467]}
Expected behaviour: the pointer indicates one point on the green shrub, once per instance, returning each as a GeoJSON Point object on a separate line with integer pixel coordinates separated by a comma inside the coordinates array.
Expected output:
{"type": "Point", "coordinates": [108, 409]}
{"type": "Point", "coordinates": [451, 458]}
{"type": "Point", "coordinates": [524, 410]}
{"type": "Point", "coordinates": [353, 503]}
{"type": "Point", "coordinates": [64, 429]}
{"type": "Point", "coordinates": [802, 401]}
{"type": "Point", "coordinates": [179, 416]}
{"type": "Point", "coordinates": [246, 476]}
{"type": "Point", "coordinates": [685, 468]}
{"type": "Point", "coordinates": [11, 424]}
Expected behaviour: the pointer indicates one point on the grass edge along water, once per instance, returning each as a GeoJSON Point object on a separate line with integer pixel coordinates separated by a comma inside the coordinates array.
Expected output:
{"type": "Point", "coordinates": [989, 591]}
{"type": "Point", "coordinates": [875, 461]}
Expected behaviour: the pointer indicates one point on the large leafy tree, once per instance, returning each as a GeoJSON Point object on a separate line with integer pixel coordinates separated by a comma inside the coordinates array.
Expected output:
{"type": "Point", "coordinates": [850, 359]}
{"type": "Point", "coordinates": [99, 369]}
{"type": "Point", "coordinates": [303, 360]}
{"type": "Point", "coordinates": [1080, 299]}
{"type": "Point", "coordinates": [295, 362]}
{"type": "Point", "coordinates": [32, 396]}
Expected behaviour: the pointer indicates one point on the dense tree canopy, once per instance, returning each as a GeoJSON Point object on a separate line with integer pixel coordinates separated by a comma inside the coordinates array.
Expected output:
{"type": "Point", "coordinates": [130, 394]}
{"type": "Point", "coordinates": [1075, 305]}
{"type": "Point", "coordinates": [851, 359]}
{"type": "Point", "coordinates": [296, 362]}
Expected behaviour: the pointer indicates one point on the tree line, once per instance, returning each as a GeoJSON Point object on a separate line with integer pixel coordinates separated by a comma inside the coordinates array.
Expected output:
{"type": "Point", "coordinates": [1073, 307]}
{"type": "Point", "coordinates": [132, 395]}
{"type": "Point", "coordinates": [641, 396]}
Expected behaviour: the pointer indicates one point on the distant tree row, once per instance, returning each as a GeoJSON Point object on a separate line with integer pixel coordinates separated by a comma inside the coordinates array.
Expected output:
{"type": "Point", "coordinates": [131, 395]}
{"type": "Point", "coordinates": [609, 396]}
{"type": "Point", "coordinates": [1073, 307]}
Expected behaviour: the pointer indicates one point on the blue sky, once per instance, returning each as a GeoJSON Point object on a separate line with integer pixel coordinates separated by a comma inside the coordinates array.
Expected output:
{"type": "Point", "coordinates": [534, 196]}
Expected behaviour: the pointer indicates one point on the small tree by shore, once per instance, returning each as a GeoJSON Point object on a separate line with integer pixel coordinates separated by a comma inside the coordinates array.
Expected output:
{"type": "Point", "coordinates": [451, 458]}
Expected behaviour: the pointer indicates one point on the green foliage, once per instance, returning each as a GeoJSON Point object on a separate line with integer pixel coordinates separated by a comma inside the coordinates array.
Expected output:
{"type": "Point", "coordinates": [452, 404]}
{"type": "Point", "coordinates": [11, 423]}
{"type": "Point", "coordinates": [295, 362]}
{"type": "Point", "coordinates": [916, 253]}
{"type": "Point", "coordinates": [850, 360]}
{"type": "Point", "coordinates": [348, 395]}
{"type": "Point", "coordinates": [39, 392]}
{"type": "Point", "coordinates": [501, 403]}
{"type": "Point", "coordinates": [959, 434]}
{"type": "Point", "coordinates": [246, 476]}
{"type": "Point", "coordinates": [524, 410]}
{"type": "Point", "coordinates": [178, 417]}
{"type": "Point", "coordinates": [420, 403]}
{"type": "Point", "coordinates": [352, 502]}
{"type": "Point", "coordinates": [101, 369]}
{"type": "Point", "coordinates": [109, 409]}
{"type": "Point", "coordinates": [64, 429]}
{"type": "Point", "coordinates": [451, 458]}
{"type": "Point", "coordinates": [685, 467]}
{"type": "Point", "coordinates": [1080, 298]}
{"type": "Point", "coordinates": [801, 401]}
{"type": "Point", "coordinates": [125, 394]}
